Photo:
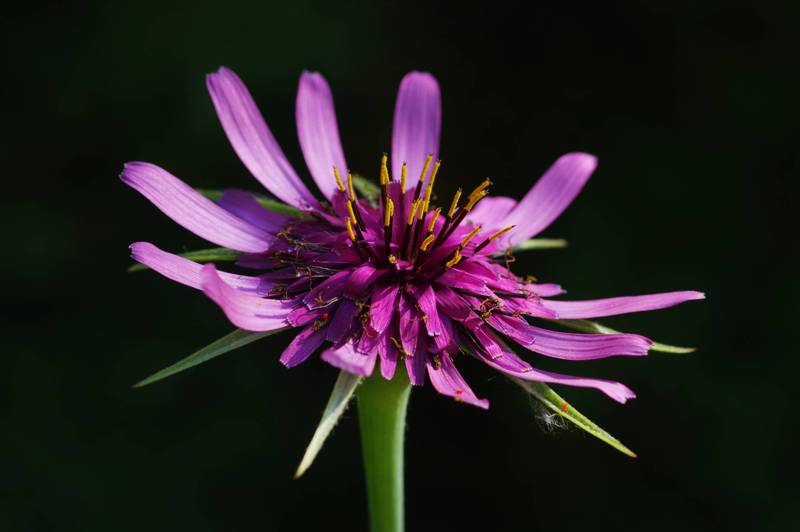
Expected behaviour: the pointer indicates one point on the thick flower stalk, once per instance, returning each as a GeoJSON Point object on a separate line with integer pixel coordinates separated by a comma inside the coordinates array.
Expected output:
{"type": "Point", "coordinates": [392, 281]}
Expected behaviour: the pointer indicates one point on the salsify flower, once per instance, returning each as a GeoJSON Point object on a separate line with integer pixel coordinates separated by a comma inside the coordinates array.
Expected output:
{"type": "Point", "coordinates": [387, 281]}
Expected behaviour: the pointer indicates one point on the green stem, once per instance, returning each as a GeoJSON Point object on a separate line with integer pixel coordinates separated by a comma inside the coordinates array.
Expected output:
{"type": "Point", "coordinates": [382, 417]}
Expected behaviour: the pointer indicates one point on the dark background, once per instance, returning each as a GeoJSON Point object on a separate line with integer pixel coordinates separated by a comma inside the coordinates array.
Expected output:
{"type": "Point", "coordinates": [691, 109]}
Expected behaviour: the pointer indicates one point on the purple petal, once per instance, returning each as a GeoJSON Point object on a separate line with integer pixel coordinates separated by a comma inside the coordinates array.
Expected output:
{"type": "Point", "coordinates": [361, 280]}
{"type": "Point", "coordinates": [382, 308]}
{"type": "Point", "coordinates": [448, 381]}
{"type": "Point", "coordinates": [187, 272]}
{"type": "Point", "coordinates": [328, 291]}
{"type": "Point", "coordinates": [417, 124]}
{"type": "Point", "coordinates": [569, 346]}
{"type": "Point", "coordinates": [303, 345]}
{"type": "Point", "coordinates": [415, 365]}
{"type": "Point", "coordinates": [342, 320]}
{"type": "Point", "coordinates": [508, 362]}
{"type": "Point", "coordinates": [246, 311]}
{"type": "Point", "coordinates": [596, 308]}
{"type": "Point", "coordinates": [491, 212]}
{"type": "Point", "coordinates": [426, 299]}
{"type": "Point", "coordinates": [350, 360]}
{"type": "Point", "coordinates": [548, 198]}
{"type": "Point", "coordinates": [245, 206]}
{"type": "Point", "coordinates": [388, 353]}
{"type": "Point", "coordinates": [409, 326]}
{"type": "Point", "coordinates": [318, 131]}
{"type": "Point", "coordinates": [191, 210]}
{"type": "Point", "coordinates": [253, 141]}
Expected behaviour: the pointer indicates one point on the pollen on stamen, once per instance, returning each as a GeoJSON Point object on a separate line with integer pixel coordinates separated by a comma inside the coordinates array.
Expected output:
{"type": "Point", "coordinates": [338, 178]}
{"type": "Point", "coordinates": [403, 178]}
{"type": "Point", "coordinates": [475, 199]}
{"type": "Point", "coordinates": [350, 188]}
{"type": "Point", "coordinates": [427, 242]}
{"type": "Point", "coordinates": [350, 231]}
{"type": "Point", "coordinates": [384, 170]}
{"type": "Point", "coordinates": [454, 204]}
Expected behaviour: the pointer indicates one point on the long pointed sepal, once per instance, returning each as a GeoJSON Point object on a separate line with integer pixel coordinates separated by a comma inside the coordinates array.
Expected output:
{"type": "Point", "coordinates": [342, 392]}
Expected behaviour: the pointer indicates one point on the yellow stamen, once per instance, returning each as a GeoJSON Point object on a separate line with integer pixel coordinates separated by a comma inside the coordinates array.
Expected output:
{"type": "Point", "coordinates": [403, 177]}
{"type": "Point", "coordinates": [453, 205]}
{"type": "Point", "coordinates": [429, 188]}
{"type": "Point", "coordinates": [384, 170]}
{"type": "Point", "coordinates": [350, 230]}
{"type": "Point", "coordinates": [480, 188]}
{"type": "Point", "coordinates": [434, 216]}
{"type": "Point", "coordinates": [414, 207]}
{"type": "Point", "coordinates": [452, 262]}
{"type": "Point", "coordinates": [428, 160]}
{"type": "Point", "coordinates": [350, 186]}
{"type": "Point", "coordinates": [352, 212]}
{"type": "Point", "coordinates": [338, 179]}
{"type": "Point", "coordinates": [388, 212]}
{"type": "Point", "coordinates": [470, 236]}
{"type": "Point", "coordinates": [392, 259]}
{"type": "Point", "coordinates": [427, 242]}
{"type": "Point", "coordinates": [500, 232]}
{"type": "Point", "coordinates": [475, 199]}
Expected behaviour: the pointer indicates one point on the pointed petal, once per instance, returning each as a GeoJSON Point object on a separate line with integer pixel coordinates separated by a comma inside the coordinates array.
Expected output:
{"type": "Point", "coordinates": [348, 359]}
{"type": "Point", "coordinates": [417, 124]}
{"type": "Point", "coordinates": [613, 306]}
{"type": "Point", "coordinates": [548, 198]}
{"type": "Point", "coordinates": [303, 345]}
{"type": "Point", "coordinates": [318, 131]}
{"type": "Point", "coordinates": [191, 210]}
{"type": "Point", "coordinates": [340, 397]}
{"type": "Point", "coordinates": [594, 327]}
{"type": "Point", "coordinates": [253, 141]}
{"type": "Point", "coordinates": [448, 381]}
{"type": "Point", "coordinates": [389, 354]}
{"type": "Point", "coordinates": [246, 311]}
{"type": "Point", "coordinates": [569, 346]}
{"type": "Point", "coordinates": [426, 299]}
{"type": "Point", "coordinates": [510, 364]}
{"type": "Point", "coordinates": [382, 305]}
{"type": "Point", "coordinates": [342, 320]}
{"type": "Point", "coordinates": [186, 272]}
{"type": "Point", "coordinates": [245, 206]}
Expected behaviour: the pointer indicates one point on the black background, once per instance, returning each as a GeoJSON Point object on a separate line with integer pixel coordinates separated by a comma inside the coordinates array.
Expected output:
{"type": "Point", "coordinates": [691, 109]}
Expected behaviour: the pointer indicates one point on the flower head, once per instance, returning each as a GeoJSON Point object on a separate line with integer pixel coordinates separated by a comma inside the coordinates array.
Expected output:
{"type": "Point", "coordinates": [392, 278]}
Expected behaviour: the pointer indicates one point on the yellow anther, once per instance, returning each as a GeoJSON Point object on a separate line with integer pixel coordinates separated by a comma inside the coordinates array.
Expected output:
{"type": "Point", "coordinates": [338, 179]}
{"type": "Point", "coordinates": [434, 216]}
{"type": "Point", "coordinates": [384, 170]}
{"type": "Point", "coordinates": [456, 258]}
{"type": "Point", "coordinates": [475, 199]}
{"type": "Point", "coordinates": [480, 188]}
{"type": "Point", "coordinates": [469, 236]}
{"type": "Point", "coordinates": [454, 204]}
{"type": "Point", "coordinates": [411, 214]}
{"type": "Point", "coordinates": [427, 164]}
{"type": "Point", "coordinates": [350, 186]}
{"type": "Point", "coordinates": [388, 212]}
{"type": "Point", "coordinates": [500, 232]}
{"type": "Point", "coordinates": [350, 230]}
{"type": "Point", "coordinates": [427, 242]}
{"type": "Point", "coordinates": [403, 177]}
{"type": "Point", "coordinates": [352, 212]}
{"type": "Point", "coordinates": [392, 259]}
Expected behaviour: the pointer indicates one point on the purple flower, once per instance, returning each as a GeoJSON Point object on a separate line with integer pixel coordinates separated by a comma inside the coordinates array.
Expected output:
{"type": "Point", "coordinates": [390, 280]}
